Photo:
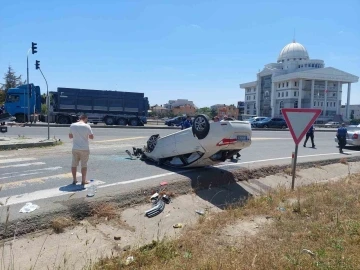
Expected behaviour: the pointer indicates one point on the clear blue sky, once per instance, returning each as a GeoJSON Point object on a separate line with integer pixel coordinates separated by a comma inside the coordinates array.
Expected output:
{"type": "Point", "coordinates": [198, 50]}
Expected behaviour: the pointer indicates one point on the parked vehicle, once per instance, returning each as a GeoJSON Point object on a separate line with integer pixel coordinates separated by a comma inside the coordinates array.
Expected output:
{"type": "Point", "coordinates": [271, 123]}
{"type": "Point", "coordinates": [176, 121]}
{"type": "Point", "coordinates": [253, 120]}
{"type": "Point", "coordinates": [353, 136]}
{"type": "Point", "coordinates": [206, 143]}
{"type": "Point", "coordinates": [332, 125]}
{"type": "Point", "coordinates": [110, 107]}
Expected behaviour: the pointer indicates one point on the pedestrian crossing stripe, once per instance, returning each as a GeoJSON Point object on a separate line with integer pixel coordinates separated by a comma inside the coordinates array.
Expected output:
{"type": "Point", "coordinates": [12, 160]}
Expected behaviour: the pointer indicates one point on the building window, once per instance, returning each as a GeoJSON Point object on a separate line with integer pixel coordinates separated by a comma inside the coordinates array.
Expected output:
{"type": "Point", "coordinates": [287, 93]}
{"type": "Point", "coordinates": [322, 103]}
{"type": "Point", "coordinates": [254, 106]}
{"type": "Point", "coordinates": [314, 103]}
{"type": "Point", "coordinates": [295, 104]}
{"type": "Point", "coordinates": [299, 66]}
{"type": "Point", "coordinates": [295, 83]}
{"type": "Point", "coordinates": [318, 103]}
{"type": "Point", "coordinates": [281, 106]}
{"type": "Point", "coordinates": [254, 98]}
{"type": "Point", "coordinates": [294, 93]}
{"type": "Point", "coordinates": [279, 85]}
{"type": "Point", "coordinates": [300, 58]}
{"type": "Point", "coordinates": [247, 112]}
{"type": "Point", "coordinates": [248, 106]}
{"type": "Point", "coordinates": [327, 104]}
{"type": "Point", "coordinates": [312, 65]}
{"type": "Point", "coordinates": [282, 94]}
{"type": "Point", "coordinates": [279, 94]}
{"type": "Point", "coordinates": [287, 84]}
{"type": "Point", "coordinates": [283, 84]}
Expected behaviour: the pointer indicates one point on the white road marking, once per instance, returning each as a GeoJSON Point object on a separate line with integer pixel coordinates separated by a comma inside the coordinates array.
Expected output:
{"type": "Point", "coordinates": [36, 180]}
{"type": "Point", "coordinates": [29, 172]}
{"type": "Point", "coordinates": [43, 194]}
{"type": "Point", "coordinates": [22, 165]}
{"type": "Point", "coordinates": [12, 160]}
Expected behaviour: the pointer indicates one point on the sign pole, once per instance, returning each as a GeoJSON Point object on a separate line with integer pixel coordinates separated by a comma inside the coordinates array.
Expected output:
{"type": "Point", "coordinates": [294, 167]}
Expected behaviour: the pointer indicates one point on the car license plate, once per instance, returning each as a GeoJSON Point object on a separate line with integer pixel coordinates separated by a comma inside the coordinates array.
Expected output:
{"type": "Point", "coordinates": [241, 138]}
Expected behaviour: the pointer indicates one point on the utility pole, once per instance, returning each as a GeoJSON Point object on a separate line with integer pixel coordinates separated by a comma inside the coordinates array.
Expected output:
{"type": "Point", "coordinates": [33, 50]}
{"type": "Point", "coordinates": [37, 66]}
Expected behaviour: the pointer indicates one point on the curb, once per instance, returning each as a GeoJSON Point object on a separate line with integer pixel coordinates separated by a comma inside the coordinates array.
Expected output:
{"type": "Point", "coordinates": [26, 145]}
{"type": "Point", "coordinates": [79, 209]}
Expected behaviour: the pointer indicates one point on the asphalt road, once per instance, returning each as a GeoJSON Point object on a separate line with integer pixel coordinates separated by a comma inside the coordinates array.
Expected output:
{"type": "Point", "coordinates": [32, 174]}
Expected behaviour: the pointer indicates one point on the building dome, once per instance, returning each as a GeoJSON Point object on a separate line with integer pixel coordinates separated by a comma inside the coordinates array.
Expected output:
{"type": "Point", "coordinates": [293, 51]}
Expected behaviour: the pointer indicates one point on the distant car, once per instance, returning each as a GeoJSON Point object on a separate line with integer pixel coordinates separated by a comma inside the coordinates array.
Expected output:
{"type": "Point", "coordinates": [206, 143]}
{"type": "Point", "coordinates": [271, 123]}
{"type": "Point", "coordinates": [176, 121]}
{"type": "Point", "coordinates": [253, 120]}
{"type": "Point", "coordinates": [332, 125]}
{"type": "Point", "coordinates": [353, 136]}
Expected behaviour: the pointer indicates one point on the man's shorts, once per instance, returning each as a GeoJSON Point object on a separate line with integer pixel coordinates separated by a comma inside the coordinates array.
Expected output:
{"type": "Point", "coordinates": [80, 155]}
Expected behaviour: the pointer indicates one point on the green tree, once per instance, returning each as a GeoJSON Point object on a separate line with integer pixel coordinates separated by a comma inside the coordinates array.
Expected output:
{"type": "Point", "coordinates": [10, 81]}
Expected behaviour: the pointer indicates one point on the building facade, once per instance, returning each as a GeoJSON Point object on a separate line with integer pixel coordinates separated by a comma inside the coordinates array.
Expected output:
{"type": "Point", "coordinates": [179, 102]}
{"type": "Point", "coordinates": [296, 81]}
{"type": "Point", "coordinates": [226, 110]}
{"type": "Point", "coordinates": [354, 111]}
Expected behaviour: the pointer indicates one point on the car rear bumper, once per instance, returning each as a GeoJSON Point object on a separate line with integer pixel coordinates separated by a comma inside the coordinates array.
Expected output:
{"type": "Point", "coordinates": [350, 142]}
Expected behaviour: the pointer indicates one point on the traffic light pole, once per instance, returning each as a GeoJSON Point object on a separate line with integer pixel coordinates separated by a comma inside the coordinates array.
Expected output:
{"type": "Point", "coordinates": [28, 87]}
{"type": "Point", "coordinates": [47, 104]}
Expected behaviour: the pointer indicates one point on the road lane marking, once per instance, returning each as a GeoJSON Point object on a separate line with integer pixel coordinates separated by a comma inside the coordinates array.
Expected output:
{"type": "Point", "coordinates": [123, 139]}
{"type": "Point", "coordinates": [28, 172]}
{"type": "Point", "coordinates": [38, 180]}
{"type": "Point", "coordinates": [22, 165]}
{"type": "Point", "coordinates": [12, 160]}
{"type": "Point", "coordinates": [55, 192]}
{"type": "Point", "coordinates": [258, 139]}
{"type": "Point", "coordinates": [43, 194]}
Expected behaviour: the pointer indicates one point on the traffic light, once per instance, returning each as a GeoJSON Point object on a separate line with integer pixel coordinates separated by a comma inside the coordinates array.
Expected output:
{"type": "Point", "coordinates": [37, 64]}
{"type": "Point", "coordinates": [34, 47]}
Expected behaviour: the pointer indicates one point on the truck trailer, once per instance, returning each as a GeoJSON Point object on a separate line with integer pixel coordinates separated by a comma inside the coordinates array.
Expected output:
{"type": "Point", "coordinates": [67, 104]}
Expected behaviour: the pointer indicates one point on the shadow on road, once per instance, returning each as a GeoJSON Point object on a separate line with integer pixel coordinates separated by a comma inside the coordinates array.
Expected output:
{"type": "Point", "coordinates": [215, 185]}
{"type": "Point", "coordinates": [72, 188]}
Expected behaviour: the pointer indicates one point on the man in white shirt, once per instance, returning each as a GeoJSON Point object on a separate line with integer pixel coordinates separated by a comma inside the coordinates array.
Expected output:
{"type": "Point", "coordinates": [80, 132]}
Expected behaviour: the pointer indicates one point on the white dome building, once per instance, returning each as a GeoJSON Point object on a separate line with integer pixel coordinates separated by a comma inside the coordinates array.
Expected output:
{"type": "Point", "coordinates": [296, 81]}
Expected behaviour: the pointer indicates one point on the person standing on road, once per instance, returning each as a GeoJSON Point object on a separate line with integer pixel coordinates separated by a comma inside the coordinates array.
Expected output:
{"type": "Point", "coordinates": [341, 136]}
{"type": "Point", "coordinates": [80, 132]}
{"type": "Point", "coordinates": [187, 123]}
{"type": "Point", "coordinates": [310, 134]}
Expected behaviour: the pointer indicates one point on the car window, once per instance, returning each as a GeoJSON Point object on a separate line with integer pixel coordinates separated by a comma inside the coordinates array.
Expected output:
{"type": "Point", "coordinates": [13, 98]}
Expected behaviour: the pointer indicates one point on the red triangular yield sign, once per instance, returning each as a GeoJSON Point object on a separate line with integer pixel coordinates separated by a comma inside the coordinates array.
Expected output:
{"type": "Point", "coordinates": [299, 121]}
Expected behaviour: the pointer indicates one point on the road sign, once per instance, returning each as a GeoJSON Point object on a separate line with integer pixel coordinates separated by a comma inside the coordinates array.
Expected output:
{"type": "Point", "coordinates": [299, 121]}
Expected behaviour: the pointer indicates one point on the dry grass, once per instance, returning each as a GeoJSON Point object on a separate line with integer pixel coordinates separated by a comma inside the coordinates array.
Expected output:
{"type": "Point", "coordinates": [344, 161]}
{"type": "Point", "coordinates": [319, 229]}
{"type": "Point", "coordinates": [105, 210]}
{"type": "Point", "coordinates": [60, 223]}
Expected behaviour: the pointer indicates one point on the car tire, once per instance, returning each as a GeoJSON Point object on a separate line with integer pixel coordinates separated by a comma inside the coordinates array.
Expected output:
{"type": "Point", "coordinates": [151, 142]}
{"type": "Point", "coordinates": [283, 127]}
{"type": "Point", "coordinates": [201, 126]}
{"type": "Point", "coordinates": [122, 122]}
{"type": "Point", "coordinates": [265, 126]}
{"type": "Point", "coordinates": [63, 120]}
{"type": "Point", "coordinates": [109, 121]}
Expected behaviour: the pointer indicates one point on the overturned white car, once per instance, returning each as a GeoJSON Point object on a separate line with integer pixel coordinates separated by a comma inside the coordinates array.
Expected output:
{"type": "Point", "coordinates": [202, 145]}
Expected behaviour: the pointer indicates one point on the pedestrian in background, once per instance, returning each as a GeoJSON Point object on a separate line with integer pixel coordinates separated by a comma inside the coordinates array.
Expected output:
{"type": "Point", "coordinates": [80, 132]}
{"type": "Point", "coordinates": [341, 136]}
{"type": "Point", "coordinates": [187, 123]}
{"type": "Point", "coordinates": [310, 134]}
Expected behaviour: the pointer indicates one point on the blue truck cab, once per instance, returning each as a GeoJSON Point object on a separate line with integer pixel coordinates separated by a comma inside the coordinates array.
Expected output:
{"type": "Point", "coordinates": [16, 102]}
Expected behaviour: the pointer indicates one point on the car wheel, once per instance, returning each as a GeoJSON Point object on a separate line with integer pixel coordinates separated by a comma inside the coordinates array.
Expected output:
{"type": "Point", "coordinates": [109, 121]}
{"type": "Point", "coordinates": [201, 126]}
{"type": "Point", "coordinates": [63, 120]}
{"type": "Point", "coordinates": [283, 127]}
{"type": "Point", "coordinates": [122, 122]}
{"type": "Point", "coordinates": [265, 126]}
{"type": "Point", "coordinates": [151, 143]}
{"type": "Point", "coordinates": [134, 122]}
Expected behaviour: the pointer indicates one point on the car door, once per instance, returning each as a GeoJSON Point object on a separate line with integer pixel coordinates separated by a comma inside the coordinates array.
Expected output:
{"type": "Point", "coordinates": [273, 123]}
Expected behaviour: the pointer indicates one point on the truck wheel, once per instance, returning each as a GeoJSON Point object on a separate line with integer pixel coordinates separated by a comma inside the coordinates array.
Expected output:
{"type": "Point", "coordinates": [122, 122]}
{"type": "Point", "coordinates": [201, 126]}
{"type": "Point", "coordinates": [109, 121]}
{"type": "Point", "coordinates": [134, 122]}
{"type": "Point", "coordinates": [151, 143]}
{"type": "Point", "coordinates": [63, 120]}
{"type": "Point", "coordinates": [20, 118]}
